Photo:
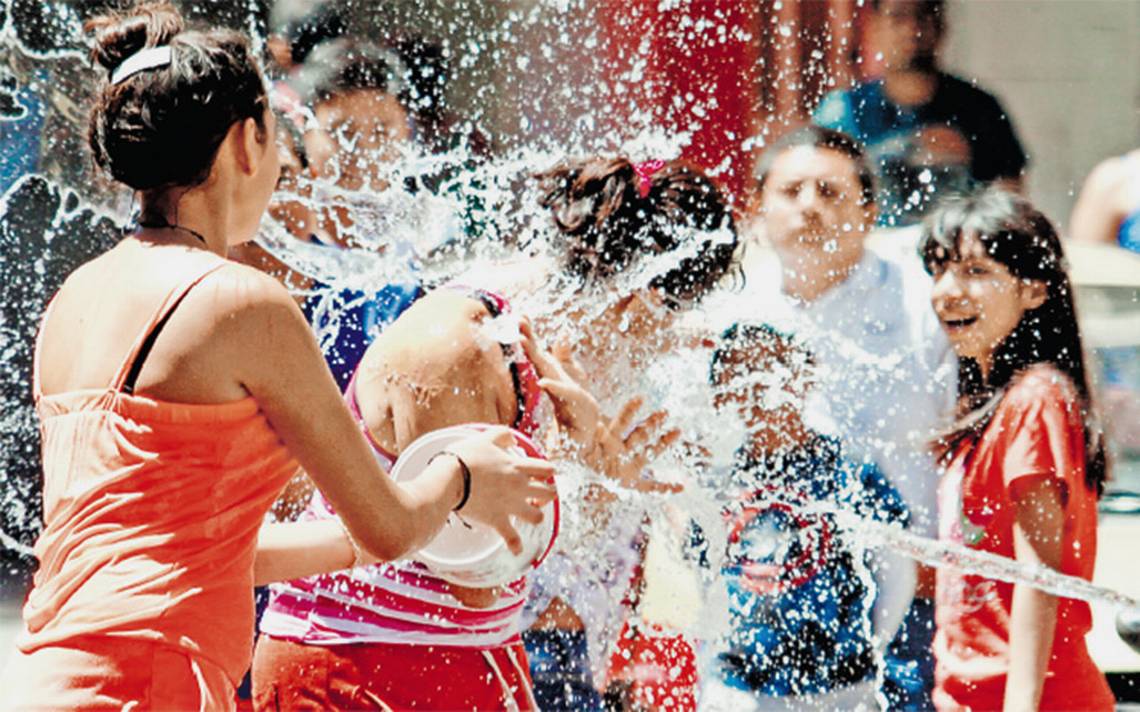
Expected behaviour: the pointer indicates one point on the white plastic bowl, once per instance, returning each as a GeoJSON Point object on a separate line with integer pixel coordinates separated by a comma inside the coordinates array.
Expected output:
{"type": "Point", "coordinates": [474, 554]}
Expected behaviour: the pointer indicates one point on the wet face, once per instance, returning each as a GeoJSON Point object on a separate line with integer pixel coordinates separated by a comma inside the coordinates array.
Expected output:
{"type": "Point", "coordinates": [288, 208]}
{"type": "Point", "coordinates": [367, 128]}
{"type": "Point", "coordinates": [766, 387]}
{"type": "Point", "coordinates": [811, 204]}
{"type": "Point", "coordinates": [907, 34]}
{"type": "Point", "coordinates": [979, 301]}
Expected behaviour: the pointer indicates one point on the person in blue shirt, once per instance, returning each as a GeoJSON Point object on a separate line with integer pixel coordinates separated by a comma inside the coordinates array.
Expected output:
{"type": "Point", "coordinates": [928, 133]}
{"type": "Point", "coordinates": [800, 589]}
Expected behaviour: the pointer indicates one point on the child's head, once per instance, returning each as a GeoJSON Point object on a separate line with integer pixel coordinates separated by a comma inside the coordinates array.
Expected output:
{"type": "Point", "coordinates": [765, 374]}
{"type": "Point", "coordinates": [612, 214]}
{"type": "Point", "coordinates": [1000, 286]}
{"type": "Point", "coordinates": [1004, 298]}
{"type": "Point", "coordinates": [442, 364]}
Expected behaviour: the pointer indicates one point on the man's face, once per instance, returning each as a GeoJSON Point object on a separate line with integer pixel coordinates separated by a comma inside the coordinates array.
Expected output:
{"type": "Point", "coordinates": [812, 203]}
{"type": "Point", "coordinates": [907, 34]}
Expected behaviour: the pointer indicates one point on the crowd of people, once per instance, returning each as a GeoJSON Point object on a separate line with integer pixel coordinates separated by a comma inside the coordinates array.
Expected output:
{"type": "Point", "coordinates": [207, 443]}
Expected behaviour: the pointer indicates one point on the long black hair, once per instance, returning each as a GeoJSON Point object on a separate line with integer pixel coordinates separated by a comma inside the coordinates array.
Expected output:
{"type": "Point", "coordinates": [1021, 238]}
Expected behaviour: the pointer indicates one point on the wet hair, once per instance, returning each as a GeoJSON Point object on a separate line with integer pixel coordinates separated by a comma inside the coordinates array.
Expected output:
{"type": "Point", "coordinates": [819, 137]}
{"type": "Point", "coordinates": [1018, 236]}
{"type": "Point", "coordinates": [325, 22]}
{"type": "Point", "coordinates": [345, 65]}
{"type": "Point", "coordinates": [743, 336]}
{"type": "Point", "coordinates": [162, 127]}
{"type": "Point", "coordinates": [605, 224]}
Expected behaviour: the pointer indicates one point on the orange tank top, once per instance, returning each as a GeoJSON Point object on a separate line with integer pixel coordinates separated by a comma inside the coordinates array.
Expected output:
{"type": "Point", "coordinates": [151, 514]}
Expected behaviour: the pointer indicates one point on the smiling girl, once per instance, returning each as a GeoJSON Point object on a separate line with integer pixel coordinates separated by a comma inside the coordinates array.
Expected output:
{"type": "Point", "coordinates": [1024, 460]}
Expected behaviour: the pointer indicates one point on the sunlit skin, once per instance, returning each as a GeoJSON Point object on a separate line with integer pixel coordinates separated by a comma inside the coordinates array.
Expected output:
{"type": "Point", "coordinates": [979, 302]}
{"type": "Point", "coordinates": [1109, 194]}
{"type": "Point", "coordinates": [815, 218]}
{"type": "Point", "coordinates": [432, 369]}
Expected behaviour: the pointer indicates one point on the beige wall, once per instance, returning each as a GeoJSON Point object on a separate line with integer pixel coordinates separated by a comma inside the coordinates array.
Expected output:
{"type": "Point", "coordinates": [1068, 71]}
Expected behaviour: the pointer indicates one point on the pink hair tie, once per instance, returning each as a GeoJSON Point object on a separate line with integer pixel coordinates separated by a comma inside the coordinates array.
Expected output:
{"type": "Point", "coordinates": [645, 171]}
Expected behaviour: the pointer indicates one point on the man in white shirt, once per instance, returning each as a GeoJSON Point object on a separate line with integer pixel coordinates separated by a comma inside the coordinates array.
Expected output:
{"type": "Point", "coordinates": [886, 373]}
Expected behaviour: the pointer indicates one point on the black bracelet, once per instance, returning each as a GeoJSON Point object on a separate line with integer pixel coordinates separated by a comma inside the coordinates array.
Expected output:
{"type": "Point", "coordinates": [466, 477]}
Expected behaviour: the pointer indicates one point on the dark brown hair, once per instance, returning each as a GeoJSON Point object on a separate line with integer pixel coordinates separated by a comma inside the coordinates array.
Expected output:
{"type": "Point", "coordinates": [820, 137]}
{"type": "Point", "coordinates": [606, 223]}
{"type": "Point", "coordinates": [1018, 236]}
{"type": "Point", "coordinates": [162, 127]}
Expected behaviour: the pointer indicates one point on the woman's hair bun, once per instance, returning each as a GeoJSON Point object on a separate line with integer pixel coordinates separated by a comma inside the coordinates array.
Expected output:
{"type": "Point", "coordinates": [161, 126]}
{"type": "Point", "coordinates": [119, 35]}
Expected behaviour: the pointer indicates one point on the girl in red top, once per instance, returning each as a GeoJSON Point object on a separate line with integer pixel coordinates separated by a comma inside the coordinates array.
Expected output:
{"type": "Point", "coordinates": [1024, 461]}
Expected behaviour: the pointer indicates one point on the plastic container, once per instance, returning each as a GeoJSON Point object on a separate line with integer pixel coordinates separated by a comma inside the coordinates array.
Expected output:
{"type": "Point", "coordinates": [473, 554]}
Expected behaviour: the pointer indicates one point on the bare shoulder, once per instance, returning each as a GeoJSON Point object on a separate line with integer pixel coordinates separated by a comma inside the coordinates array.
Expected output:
{"type": "Point", "coordinates": [1108, 174]}
{"type": "Point", "coordinates": [245, 307]}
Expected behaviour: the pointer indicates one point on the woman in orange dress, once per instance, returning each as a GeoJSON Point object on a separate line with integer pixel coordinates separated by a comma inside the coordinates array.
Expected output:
{"type": "Point", "coordinates": [178, 391]}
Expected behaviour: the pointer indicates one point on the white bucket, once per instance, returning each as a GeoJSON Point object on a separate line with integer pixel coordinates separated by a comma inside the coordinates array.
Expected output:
{"type": "Point", "coordinates": [473, 554]}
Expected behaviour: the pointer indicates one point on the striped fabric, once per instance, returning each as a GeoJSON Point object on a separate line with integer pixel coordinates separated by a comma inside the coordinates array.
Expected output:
{"type": "Point", "coordinates": [398, 602]}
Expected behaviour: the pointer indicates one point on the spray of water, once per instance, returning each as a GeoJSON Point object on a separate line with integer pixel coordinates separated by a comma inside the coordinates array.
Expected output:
{"type": "Point", "coordinates": [479, 224]}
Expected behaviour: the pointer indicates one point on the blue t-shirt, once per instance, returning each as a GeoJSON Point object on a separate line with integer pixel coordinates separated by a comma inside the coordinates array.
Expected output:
{"type": "Point", "coordinates": [1128, 234]}
{"type": "Point", "coordinates": [22, 116]}
{"type": "Point", "coordinates": [800, 613]}
{"type": "Point", "coordinates": [907, 189]}
{"type": "Point", "coordinates": [346, 321]}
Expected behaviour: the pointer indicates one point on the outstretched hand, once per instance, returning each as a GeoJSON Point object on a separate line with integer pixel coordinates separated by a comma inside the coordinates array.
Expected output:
{"type": "Point", "coordinates": [624, 458]}
{"type": "Point", "coordinates": [608, 446]}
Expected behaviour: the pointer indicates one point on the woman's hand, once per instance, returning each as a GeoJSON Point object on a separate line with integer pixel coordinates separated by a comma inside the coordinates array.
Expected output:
{"type": "Point", "coordinates": [561, 377]}
{"type": "Point", "coordinates": [503, 485]}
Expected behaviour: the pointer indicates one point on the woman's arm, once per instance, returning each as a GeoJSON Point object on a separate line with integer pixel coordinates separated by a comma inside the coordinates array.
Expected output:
{"type": "Point", "coordinates": [1096, 216]}
{"type": "Point", "coordinates": [1038, 524]}
{"type": "Point", "coordinates": [297, 549]}
{"type": "Point", "coordinates": [278, 362]}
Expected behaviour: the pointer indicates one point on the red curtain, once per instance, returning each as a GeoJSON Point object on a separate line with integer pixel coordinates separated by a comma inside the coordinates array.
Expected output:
{"type": "Point", "coordinates": [729, 70]}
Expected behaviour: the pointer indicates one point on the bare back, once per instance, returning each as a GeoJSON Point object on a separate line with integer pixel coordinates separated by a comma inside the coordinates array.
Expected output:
{"type": "Point", "coordinates": [105, 305]}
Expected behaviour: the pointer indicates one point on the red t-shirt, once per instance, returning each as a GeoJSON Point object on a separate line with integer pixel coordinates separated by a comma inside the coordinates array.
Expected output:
{"type": "Point", "coordinates": [1036, 430]}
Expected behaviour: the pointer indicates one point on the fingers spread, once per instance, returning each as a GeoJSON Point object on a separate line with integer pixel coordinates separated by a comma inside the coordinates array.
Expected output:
{"type": "Point", "coordinates": [624, 419]}
{"type": "Point", "coordinates": [663, 443]}
{"type": "Point", "coordinates": [642, 432]}
{"type": "Point", "coordinates": [534, 467]}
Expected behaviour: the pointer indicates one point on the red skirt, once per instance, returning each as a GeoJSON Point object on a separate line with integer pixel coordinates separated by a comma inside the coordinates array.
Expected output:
{"type": "Point", "coordinates": [383, 676]}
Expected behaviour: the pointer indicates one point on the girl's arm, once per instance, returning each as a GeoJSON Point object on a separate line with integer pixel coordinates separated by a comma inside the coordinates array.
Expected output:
{"type": "Point", "coordinates": [1039, 520]}
{"type": "Point", "coordinates": [297, 549]}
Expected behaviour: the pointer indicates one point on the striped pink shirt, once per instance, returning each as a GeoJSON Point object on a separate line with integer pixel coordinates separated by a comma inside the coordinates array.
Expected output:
{"type": "Point", "coordinates": [399, 602]}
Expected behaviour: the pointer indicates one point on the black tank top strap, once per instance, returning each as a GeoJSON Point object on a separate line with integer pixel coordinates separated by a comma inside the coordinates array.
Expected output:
{"type": "Point", "coordinates": [132, 366]}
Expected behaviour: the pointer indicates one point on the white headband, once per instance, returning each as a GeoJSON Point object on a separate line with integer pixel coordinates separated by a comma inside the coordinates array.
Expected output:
{"type": "Point", "coordinates": [144, 59]}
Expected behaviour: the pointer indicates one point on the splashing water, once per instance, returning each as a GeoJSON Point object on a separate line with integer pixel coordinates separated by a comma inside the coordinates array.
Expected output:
{"type": "Point", "coordinates": [479, 223]}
